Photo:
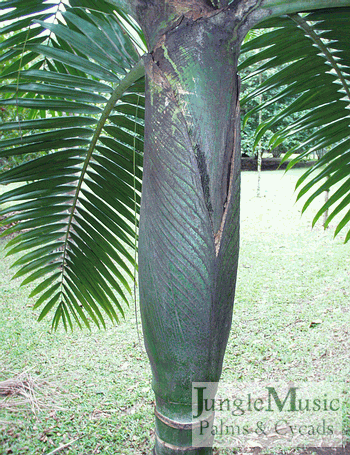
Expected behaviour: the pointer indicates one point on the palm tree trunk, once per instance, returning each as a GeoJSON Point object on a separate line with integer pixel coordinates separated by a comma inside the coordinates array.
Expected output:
{"type": "Point", "coordinates": [188, 245]}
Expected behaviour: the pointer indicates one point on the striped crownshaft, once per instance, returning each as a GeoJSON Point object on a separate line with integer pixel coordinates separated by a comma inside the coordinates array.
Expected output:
{"type": "Point", "coordinates": [189, 228]}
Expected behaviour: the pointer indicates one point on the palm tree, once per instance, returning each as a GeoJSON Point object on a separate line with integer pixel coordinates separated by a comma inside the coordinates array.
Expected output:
{"type": "Point", "coordinates": [94, 112]}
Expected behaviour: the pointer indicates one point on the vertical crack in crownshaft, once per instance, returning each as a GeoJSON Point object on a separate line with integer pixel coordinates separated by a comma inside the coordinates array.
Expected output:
{"type": "Point", "coordinates": [231, 169]}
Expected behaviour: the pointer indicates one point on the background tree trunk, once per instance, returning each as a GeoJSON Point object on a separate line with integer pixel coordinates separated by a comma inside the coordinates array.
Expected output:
{"type": "Point", "coordinates": [258, 192]}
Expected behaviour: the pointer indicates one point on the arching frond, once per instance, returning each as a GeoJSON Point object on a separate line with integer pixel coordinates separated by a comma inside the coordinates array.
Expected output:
{"type": "Point", "coordinates": [311, 53]}
{"type": "Point", "coordinates": [76, 204]}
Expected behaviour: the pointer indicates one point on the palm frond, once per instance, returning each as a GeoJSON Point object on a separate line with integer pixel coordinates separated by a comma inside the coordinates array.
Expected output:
{"type": "Point", "coordinates": [76, 204]}
{"type": "Point", "coordinates": [311, 53]}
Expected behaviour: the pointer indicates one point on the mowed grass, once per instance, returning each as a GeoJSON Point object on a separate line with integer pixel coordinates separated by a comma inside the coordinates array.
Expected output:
{"type": "Point", "coordinates": [95, 390]}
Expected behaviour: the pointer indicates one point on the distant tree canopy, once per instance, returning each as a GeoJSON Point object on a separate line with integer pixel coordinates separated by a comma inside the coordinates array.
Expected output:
{"type": "Point", "coordinates": [250, 120]}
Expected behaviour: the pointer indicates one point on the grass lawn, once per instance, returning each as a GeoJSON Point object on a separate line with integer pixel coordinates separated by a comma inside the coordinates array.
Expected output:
{"type": "Point", "coordinates": [93, 388]}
